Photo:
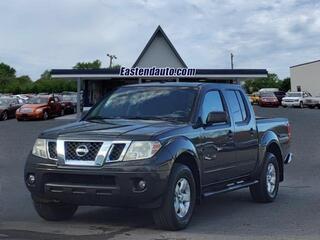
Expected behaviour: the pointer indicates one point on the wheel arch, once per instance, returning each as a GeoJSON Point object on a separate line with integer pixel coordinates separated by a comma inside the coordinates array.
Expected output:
{"type": "Point", "coordinates": [184, 152]}
{"type": "Point", "coordinates": [270, 143]}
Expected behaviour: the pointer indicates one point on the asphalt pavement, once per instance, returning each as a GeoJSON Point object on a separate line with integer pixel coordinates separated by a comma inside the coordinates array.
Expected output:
{"type": "Point", "coordinates": [294, 215]}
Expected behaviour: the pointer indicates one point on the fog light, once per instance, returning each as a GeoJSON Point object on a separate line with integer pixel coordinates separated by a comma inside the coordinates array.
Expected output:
{"type": "Point", "coordinates": [142, 185]}
{"type": "Point", "coordinates": [31, 179]}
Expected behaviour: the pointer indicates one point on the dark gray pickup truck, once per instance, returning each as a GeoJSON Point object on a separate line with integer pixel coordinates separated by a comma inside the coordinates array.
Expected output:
{"type": "Point", "coordinates": [163, 146]}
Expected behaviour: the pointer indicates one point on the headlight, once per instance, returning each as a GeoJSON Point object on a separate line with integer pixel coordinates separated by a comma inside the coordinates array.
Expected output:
{"type": "Point", "coordinates": [40, 148]}
{"type": "Point", "coordinates": [142, 150]}
{"type": "Point", "coordinates": [39, 110]}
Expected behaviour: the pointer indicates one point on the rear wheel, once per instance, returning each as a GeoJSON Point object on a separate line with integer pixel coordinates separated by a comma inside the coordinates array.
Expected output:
{"type": "Point", "coordinates": [266, 189]}
{"type": "Point", "coordinates": [4, 115]}
{"type": "Point", "coordinates": [179, 202]}
{"type": "Point", "coordinates": [55, 211]}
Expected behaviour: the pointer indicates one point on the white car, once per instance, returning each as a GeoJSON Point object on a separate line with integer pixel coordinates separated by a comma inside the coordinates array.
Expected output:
{"type": "Point", "coordinates": [312, 102]}
{"type": "Point", "coordinates": [295, 99]}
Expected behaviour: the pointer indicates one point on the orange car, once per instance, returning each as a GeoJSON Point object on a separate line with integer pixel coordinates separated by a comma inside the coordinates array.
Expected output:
{"type": "Point", "coordinates": [40, 107]}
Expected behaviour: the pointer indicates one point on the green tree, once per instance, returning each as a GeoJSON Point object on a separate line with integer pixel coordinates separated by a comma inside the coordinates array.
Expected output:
{"type": "Point", "coordinates": [7, 71]}
{"type": "Point", "coordinates": [272, 81]}
{"type": "Point", "coordinates": [88, 65]}
{"type": "Point", "coordinates": [285, 84]}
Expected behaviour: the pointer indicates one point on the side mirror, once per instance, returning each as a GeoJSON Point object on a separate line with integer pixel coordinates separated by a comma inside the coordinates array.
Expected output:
{"type": "Point", "coordinates": [217, 117]}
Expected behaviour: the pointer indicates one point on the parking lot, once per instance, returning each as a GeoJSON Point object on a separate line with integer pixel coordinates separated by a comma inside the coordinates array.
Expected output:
{"type": "Point", "coordinates": [295, 214]}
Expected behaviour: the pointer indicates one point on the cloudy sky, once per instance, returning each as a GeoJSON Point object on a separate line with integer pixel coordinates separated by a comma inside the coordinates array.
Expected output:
{"type": "Point", "coordinates": [43, 34]}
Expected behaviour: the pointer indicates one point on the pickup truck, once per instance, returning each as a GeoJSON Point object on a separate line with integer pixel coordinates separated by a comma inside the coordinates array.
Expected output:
{"type": "Point", "coordinates": [162, 146]}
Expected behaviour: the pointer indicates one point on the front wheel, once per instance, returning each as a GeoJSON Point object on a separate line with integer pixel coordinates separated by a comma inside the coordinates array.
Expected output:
{"type": "Point", "coordinates": [266, 189]}
{"type": "Point", "coordinates": [179, 202]}
{"type": "Point", "coordinates": [55, 211]}
{"type": "Point", "coordinates": [45, 115]}
{"type": "Point", "coordinates": [301, 105]}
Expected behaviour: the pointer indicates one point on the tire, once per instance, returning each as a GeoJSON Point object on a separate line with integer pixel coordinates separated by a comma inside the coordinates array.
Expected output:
{"type": "Point", "coordinates": [301, 105]}
{"type": "Point", "coordinates": [55, 211]}
{"type": "Point", "coordinates": [169, 216]}
{"type": "Point", "coordinates": [263, 191]}
{"type": "Point", "coordinates": [45, 115]}
{"type": "Point", "coordinates": [4, 116]}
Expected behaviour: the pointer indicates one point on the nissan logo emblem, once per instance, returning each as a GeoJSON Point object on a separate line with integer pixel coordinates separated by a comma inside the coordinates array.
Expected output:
{"type": "Point", "coordinates": [82, 150]}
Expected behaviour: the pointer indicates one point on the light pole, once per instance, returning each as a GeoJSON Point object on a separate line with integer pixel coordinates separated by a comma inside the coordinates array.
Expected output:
{"type": "Point", "coordinates": [111, 58]}
{"type": "Point", "coordinates": [231, 56]}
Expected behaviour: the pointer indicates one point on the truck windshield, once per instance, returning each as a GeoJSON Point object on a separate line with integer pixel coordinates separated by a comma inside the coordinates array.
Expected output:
{"type": "Point", "coordinates": [147, 103]}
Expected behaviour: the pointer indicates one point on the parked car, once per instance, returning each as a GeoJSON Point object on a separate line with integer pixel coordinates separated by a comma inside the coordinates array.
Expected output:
{"type": "Point", "coordinates": [295, 99]}
{"type": "Point", "coordinates": [268, 99]}
{"type": "Point", "coordinates": [312, 102]}
{"type": "Point", "coordinates": [69, 103]}
{"type": "Point", "coordinates": [279, 95]}
{"type": "Point", "coordinates": [8, 107]}
{"type": "Point", "coordinates": [255, 97]}
{"type": "Point", "coordinates": [163, 146]}
{"type": "Point", "coordinates": [40, 107]}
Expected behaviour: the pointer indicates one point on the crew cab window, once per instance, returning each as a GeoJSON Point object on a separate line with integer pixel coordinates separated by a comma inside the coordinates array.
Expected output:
{"type": "Point", "coordinates": [212, 103]}
{"type": "Point", "coordinates": [237, 105]}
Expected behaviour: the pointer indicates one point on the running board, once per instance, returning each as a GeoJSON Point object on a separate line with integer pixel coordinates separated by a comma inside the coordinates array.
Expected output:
{"type": "Point", "coordinates": [231, 187]}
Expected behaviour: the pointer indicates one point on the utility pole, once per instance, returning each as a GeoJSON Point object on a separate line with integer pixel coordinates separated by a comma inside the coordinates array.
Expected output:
{"type": "Point", "coordinates": [111, 58]}
{"type": "Point", "coordinates": [231, 56]}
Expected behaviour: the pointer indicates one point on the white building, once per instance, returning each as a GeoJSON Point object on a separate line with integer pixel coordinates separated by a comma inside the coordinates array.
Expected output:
{"type": "Point", "coordinates": [306, 77]}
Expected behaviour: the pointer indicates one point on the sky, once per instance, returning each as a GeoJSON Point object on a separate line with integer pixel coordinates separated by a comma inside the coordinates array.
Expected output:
{"type": "Point", "coordinates": [36, 35]}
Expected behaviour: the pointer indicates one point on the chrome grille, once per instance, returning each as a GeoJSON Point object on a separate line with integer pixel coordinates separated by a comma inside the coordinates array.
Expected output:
{"type": "Point", "coordinates": [93, 153]}
{"type": "Point", "coordinates": [71, 150]}
{"type": "Point", "coordinates": [52, 150]}
{"type": "Point", "coordinates": [116, 151]}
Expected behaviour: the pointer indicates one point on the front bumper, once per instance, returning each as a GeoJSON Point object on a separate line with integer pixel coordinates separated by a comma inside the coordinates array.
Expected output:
{"type": "Point", "coordinates": [29, 116]}
{"type": "Point", "coordinates": [112, 185]}
{"type": "Point", "coordinates": [290, 104]}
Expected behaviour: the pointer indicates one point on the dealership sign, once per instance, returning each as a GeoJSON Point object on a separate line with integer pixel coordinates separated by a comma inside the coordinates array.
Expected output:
{"type": "Point", "coordinates": [154, 71]}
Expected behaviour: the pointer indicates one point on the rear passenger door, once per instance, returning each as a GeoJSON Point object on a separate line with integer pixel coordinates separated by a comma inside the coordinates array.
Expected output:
{"type": "Point", "coordinates": [245, 133]}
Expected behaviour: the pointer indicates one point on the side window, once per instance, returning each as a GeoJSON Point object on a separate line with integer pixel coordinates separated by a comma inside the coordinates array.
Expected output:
{"type": "Point", "coordinates": [56, 99]}
{"type": "Point", "coordinates": [212, 103]}
{"type": "Point", "coordinates": [237, 105]}
{"type": "Point", "coordinates": [242, 105]}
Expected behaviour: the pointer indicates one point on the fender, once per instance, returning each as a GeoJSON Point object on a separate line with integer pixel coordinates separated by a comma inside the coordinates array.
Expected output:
{"type": "Point", "coordinates": [265, 141]}
{"type": "Point", "coordinates": [178, 146]}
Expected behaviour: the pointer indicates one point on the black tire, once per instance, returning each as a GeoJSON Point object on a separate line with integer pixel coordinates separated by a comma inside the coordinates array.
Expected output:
{"type": "Point", "coordinates": [45, 116]}
{"type": "Point", "coordinates": [301, 105]}
{"type": "Point", "coordinates": [259, 192]}
{"type": "Point", "coordinates": [166, 216]}
{"type": "Point", "coordinates": [55, 211]}
{"type": "Point", "coordinates": [311, 107]}
{"type": "Point", "coordinates": [4, 116]}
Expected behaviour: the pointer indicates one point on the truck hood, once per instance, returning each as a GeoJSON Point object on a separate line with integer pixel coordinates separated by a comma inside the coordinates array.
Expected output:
{"type": "Point", "coordinates": [34, 106]}
{"type": "Point", "coordinates": [110, 129]}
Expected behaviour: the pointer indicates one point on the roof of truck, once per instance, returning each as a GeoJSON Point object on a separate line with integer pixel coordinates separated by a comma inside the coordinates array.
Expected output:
{"type": "Point", "coordinates": [185, 84]}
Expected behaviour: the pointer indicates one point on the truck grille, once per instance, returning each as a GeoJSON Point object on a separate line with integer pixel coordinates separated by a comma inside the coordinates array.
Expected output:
{"type": "Point", "coordinates": [92, 148]}
{"type": "Point", "coordinates": [87, 153]}
{"type": "Point", "coordinates": [116, 151]}
{"type": "Point", "coordinates": [52, 149]}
